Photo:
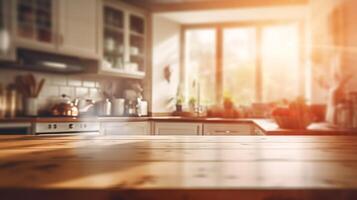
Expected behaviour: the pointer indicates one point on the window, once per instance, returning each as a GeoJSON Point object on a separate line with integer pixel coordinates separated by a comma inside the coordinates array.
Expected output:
{"type": "Point", "coordinates": [280, 63]}
{"type": "Point", "coordinates": [239, 64]}
{"type": "Point", "coordinates": [200, 65]}
{"type": "Point", "coordinates": [256, 63]}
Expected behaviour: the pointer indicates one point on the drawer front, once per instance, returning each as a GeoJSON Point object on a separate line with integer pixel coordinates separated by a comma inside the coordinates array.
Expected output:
{"type": "Point", "coordinates": [125, 128]}
{"type": "Point", "coordinates": [228, 129]}
{"type": "Point", "coordinates": [164, 128]}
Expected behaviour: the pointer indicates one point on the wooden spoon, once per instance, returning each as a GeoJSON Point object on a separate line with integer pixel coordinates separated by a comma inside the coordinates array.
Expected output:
{"type": "Point", "coordinates": [40, 86]}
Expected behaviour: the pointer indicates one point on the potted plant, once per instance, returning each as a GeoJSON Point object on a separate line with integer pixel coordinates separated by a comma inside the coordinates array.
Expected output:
{"type": "Point", "coordinates": [179, 102]}
{"type": "Point", "coordinates": [192, 104]}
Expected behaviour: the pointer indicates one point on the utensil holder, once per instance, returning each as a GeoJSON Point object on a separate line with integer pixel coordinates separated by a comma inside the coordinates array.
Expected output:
{"type": "Point", "coordinates": [31, 106]}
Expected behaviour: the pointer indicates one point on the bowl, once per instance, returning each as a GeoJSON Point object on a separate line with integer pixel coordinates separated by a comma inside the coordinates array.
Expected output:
{"type": "Point", "coordinates": [293, 122]}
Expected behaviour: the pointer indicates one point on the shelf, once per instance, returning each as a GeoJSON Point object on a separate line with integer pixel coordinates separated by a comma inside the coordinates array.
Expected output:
{"type": "Point", "coordinates": [113, 28]}
{"type": "Point", "coordinates": [121, 73]}
{"type": "Point", "coordinates": [142, 56]}
{"type": "Point", "coordinates": [137, 34]}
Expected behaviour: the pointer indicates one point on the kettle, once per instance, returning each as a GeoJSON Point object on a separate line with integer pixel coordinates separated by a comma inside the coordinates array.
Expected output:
{"type": "Point", "coordinates": [86, 106]}
{"type": "Point", "coordinates": [65, 108]}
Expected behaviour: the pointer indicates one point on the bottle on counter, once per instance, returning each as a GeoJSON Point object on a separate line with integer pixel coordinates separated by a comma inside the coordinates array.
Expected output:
{"type": "Point", "coordinates": [131, 108]}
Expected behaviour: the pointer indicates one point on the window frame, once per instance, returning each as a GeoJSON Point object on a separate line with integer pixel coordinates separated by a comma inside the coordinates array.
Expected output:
{"type": "Point", "coordinates": [258, 25]}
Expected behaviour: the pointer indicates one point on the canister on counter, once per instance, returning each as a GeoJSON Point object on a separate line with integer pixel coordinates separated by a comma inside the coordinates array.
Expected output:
{"type": "Point", "coordinates": [118, 107]}
{"type": "Point", "coordinates": [104, 108]}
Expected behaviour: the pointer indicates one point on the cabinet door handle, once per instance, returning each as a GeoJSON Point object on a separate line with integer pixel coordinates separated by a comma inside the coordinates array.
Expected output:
{"type": "Point", "coordinates": [227, 132]}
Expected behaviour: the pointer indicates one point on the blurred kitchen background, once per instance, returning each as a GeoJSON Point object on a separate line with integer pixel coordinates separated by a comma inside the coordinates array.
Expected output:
{"type": "Point", "coordinates": [189, 58]}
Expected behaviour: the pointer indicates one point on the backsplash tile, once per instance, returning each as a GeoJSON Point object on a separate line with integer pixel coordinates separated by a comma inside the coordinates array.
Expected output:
{"type": "Point", "coordinates": [70, 91]}
{"type": "Point", "coordinates": [94, 93]}
{"type": "Point", "coordinates": [74, 82]}
{"type": "Point", "coordinates": [50, 91]}
{"type": "Point", "coordinates": [89, 84]}
{"type": "Point", "coordinates": [58, 80]}
{"type": "Point", "coordinates": [82, 92]}
{"type": "Point", "coordinates": [75, 86]}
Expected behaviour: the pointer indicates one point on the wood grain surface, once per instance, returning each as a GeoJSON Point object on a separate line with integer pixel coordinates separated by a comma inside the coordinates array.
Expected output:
{"type": "Point", "coordinates": [178, 167]}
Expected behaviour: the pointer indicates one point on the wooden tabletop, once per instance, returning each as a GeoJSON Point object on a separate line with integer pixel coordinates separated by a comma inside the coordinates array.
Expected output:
{"type": "Point", "coordinates": [178, 167]}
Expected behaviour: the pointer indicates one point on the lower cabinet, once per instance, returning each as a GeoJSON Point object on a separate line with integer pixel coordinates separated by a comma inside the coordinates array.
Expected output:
{"type": "Point", "coordinates": [125, 128]}
{"type": "Point", "coordinates": [258, 131]}
{"type": "Point", "coordinates": [228, 129]}
{"type": "Point", "coordinates": [177, 128]}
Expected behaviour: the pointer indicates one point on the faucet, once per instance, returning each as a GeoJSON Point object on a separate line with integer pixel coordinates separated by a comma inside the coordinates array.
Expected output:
{"type": "Point", "coordinates": [198, 107]}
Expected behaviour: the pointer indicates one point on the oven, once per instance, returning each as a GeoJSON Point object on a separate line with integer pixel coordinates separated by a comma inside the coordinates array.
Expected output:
{"type": "Point", "coordinates": [62, 128]}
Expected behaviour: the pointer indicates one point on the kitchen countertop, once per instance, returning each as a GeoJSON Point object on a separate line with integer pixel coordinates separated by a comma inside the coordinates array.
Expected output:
{"type": "Point", "coordinates": [268, 126]}
{"type": "Point", "coordinates": [178, 167]}
{"type": "Point", "coordinates": [125, 119]}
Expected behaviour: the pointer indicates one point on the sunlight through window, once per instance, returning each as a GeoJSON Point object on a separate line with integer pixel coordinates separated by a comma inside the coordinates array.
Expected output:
{"type": "Point", "coordinates": [200, 65]}
{"type": "Point", "coordinates": [280, 62]}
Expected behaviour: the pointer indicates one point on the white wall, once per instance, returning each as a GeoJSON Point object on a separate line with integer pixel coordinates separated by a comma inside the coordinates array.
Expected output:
{"type": "Point", "coordinates": [166, 52]}
{"type": "Point", "coordinates": [320, 11]}
{"type": "Point", "coordinates": [321, 43]}
{"type": "Point", "coordinates": [351, 41]}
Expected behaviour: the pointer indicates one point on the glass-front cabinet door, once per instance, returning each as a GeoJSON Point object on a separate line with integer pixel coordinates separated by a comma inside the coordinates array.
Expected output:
{"type": "Point", "coordinates": [35, 22]}
{"type": "Point", "coordinates": [113, 41]}
{"type": "Point", "coordinates": [6, 46]}
{"type": "Point", "coordinates": [2, 15]}
{"type": "Point", "coordinates": [123, 42]}
{"type": "Point", "coordinates": [137, 43]}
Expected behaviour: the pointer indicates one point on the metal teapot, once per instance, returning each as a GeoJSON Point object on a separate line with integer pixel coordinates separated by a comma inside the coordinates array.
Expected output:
{"type": "Point", "coordinates": [65, 108]}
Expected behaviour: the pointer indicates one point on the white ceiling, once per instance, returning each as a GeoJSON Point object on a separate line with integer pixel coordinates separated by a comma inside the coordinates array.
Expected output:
{"type": "Point", "coordinates": [236, 15]}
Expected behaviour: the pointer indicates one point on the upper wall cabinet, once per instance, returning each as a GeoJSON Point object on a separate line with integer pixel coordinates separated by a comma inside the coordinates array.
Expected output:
{"type": "Point", "coordinates": [59, 26]}
{"type": "Point", "coordinates": [6, 46]}
{"type": "Point", "coordinates": [78, 27]}
{"type": "Point", "coordinates": [36, 23]}
{"type": "Point", "coordinates": [137, 40]}
{"type": "Point", "coordinates": [123, 40]}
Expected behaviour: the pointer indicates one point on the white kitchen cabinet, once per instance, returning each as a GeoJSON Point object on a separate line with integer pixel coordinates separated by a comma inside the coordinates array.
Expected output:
{"type": "Point", "coordinates": [67, 27]}
{"type": "Point", "coordinates": [122, 40]}
{"type": "Point", "coordinates": [125, 128]}
{"type": "Point", "coordinates": [78, 27]}
{"type": "Point", "coordinates": [177, 128]}
{"type": "Point", "coordinates": [36, 24]}
{"type": "Point", "coordinates": [228, 129]}
{"type": "Point", "coordinates": [6, 44]}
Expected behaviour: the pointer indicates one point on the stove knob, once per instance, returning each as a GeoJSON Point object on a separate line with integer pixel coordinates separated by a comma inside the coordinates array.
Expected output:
{"type": "Point", "coordinates": [49, 126]}
{"type": "Point", "coordinates": [54, 126]}
{"type": "Point", "coordinates": [70, 126]}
